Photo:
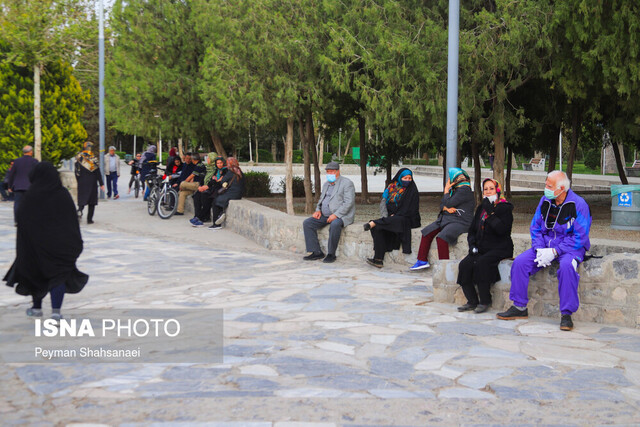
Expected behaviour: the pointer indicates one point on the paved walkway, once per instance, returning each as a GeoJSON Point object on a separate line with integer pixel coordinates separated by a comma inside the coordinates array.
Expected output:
{"type": "Point", "coordinates": [307, 342]}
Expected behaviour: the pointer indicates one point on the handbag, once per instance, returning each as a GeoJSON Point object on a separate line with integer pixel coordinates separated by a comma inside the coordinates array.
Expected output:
{"type": "Point", "coordinates": [226, 185]}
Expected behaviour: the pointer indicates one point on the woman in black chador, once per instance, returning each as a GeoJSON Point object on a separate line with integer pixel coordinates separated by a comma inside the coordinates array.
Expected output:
{"type": "Point", "coordinates": [48, 243]}
{"type": "Point", "coordinates": [88, 176]}
{"type": "Point", "coordinates": [490, 242]}
{"type": "Point", "coordinates": [400, 212]}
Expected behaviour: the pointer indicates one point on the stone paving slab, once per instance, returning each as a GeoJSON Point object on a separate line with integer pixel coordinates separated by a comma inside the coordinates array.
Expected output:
{"type": "Point", "coordinates": [339, 345]}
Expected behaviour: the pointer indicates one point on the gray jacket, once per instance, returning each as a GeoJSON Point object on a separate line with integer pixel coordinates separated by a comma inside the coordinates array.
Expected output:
{"type": "Point", "coordinates": [106, 164]}
{"type": "Point", "coordinates": [342, 201]}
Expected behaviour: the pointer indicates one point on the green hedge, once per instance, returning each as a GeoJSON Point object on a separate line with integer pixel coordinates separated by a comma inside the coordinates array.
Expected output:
{"type": "Point", "coordinates": [326, 158]}
{"type": "Point", "coordinates": [257, 184]}
{"type": "Point", "coordinates": [265, 156]}
{"type": "Point", "coordinates": [298, 186]}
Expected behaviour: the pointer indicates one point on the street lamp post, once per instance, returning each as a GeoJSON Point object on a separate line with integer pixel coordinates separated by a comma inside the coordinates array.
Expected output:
{"type": "Point", "coordinates": [339, 143]}
{"type": "Point", "coordinates": [101, 87]}
{"type": "Point", "coordinates": [452, 84]}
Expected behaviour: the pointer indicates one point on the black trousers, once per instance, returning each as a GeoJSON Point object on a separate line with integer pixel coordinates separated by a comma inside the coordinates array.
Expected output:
{"type": "Point", "coordinates": [480, 270]}
{"type": "Point", "coordinates": [380, 239]}
{"type": "Point", "coordinates": [202, 205]}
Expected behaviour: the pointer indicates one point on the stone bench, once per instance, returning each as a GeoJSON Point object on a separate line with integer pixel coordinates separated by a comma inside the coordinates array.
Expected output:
{"type": "Point", "coordinates": [609, 289]}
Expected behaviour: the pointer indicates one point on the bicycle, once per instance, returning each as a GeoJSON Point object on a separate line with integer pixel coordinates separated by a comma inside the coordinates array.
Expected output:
{"type": "Point", "coordinates": [153, 183]}
{"type": "Point", "coordinates": [136, 184]}
{"type": "Point", "coordinates": [167, 199]}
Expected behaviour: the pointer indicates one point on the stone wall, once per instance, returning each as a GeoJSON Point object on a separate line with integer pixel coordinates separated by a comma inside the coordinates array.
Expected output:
{"type": "Point", "coordinates": [609, 289]}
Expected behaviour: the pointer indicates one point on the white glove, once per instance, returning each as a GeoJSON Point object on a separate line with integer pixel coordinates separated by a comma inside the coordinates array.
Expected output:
{"type": "Point", "coordinates": [544, 256]}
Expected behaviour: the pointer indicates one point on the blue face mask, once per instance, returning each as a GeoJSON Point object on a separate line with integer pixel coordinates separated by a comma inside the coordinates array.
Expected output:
{"type": "Point", "coordinates": [549, 194]}
{"type": "Point", "coordinates": [405, 183]}
{"type": "Point", "coordinates": [331, 178]}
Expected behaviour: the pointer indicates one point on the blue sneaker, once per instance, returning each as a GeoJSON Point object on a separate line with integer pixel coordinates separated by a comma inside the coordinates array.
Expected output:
{"type": "Point", "coordinates": [197, 223]}
{"type": "Point", "coordinates": [193, 220]}
{"type": "Point", "coordinates": [419, 265]}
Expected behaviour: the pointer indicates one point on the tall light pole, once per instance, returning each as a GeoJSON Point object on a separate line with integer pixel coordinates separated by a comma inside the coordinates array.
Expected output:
{"type": "Point", "coordinates": [158, 116]}
{"type": "Point", "coordinates": [339, 143]}
{"type": "Point", "coordinates": [101, 86]}
{"type": "Point", "coordinates": [452, 84]}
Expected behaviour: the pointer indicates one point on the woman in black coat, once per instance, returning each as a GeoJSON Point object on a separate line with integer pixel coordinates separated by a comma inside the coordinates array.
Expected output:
{"type": "Point", "coordinates": [489, 242]}
{"type": "Point", "coordinates": [48, 243]}
{"type": "Point", "coordinates": [88, 177]}
{"type": "Point", "coordinates": [400, 209]}
{"type": "Point", "coordinates": [231, 188]}
{"type": "Point", "coordinates": [454, 217]}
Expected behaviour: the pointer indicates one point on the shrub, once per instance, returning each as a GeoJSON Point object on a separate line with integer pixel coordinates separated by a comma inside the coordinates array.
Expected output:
{"type": "Point", "coordinates": [265, 156]}
{"type": "Point", "coordinates": [415, 162]}
{"type": "Point", "coordinates": [592, 159]}
{"type": "Point", "coordinates": [348, 159]}
{"type": "Point", "coordinates": [326, 158]}
{"type": "Point", "coordinates": [298, 186]}
{"type": "Point", "coordinates": [257, 184]}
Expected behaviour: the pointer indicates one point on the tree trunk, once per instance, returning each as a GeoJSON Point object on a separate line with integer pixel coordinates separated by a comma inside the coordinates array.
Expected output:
{"type": "Point", "coordinates": [308, 195]}
{"type": "Point", "coordinates": [274, 150]}
{"type": "Point", "coordinates": [256, 135]}
{"type": "Point", "coordinates": [314, 151]}
{"type": "Point", "coordinates": [498, 143]}
{"type": "Point", "coordinates": [37, 126]}
{"type": "Point", "coordinates": [507, 182]}
{"type": "Point", "coordinates": [475, 152]}
{"type": "Point", "coordinates": [288, 160]}
{"type": "Point", "coordinates": [363, 160]}
{"type": "Point", "coordinates": [619, 165]}
{"type": "Point", "coordinates": [575, 133]}
{"type": "Point", "coordinates": [217, 143]}
{"type": "Point", "coordinates": [180, 148]}
{"type": "Point", "coordinates": [553, 153]}
{"type": "Point", "coordinates": [388, 162]}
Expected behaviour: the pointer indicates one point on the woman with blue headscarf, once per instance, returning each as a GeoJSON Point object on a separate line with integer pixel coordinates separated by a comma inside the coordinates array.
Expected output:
{"type": "Point", "coordinates": [454, 218]}
{"type": "Point", "coordinates": [400, 212]}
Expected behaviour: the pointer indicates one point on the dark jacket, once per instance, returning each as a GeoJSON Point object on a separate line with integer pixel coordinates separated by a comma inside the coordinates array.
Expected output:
{"type": "Point", "coordinates": [401, 218]}
{"type": "Point", "coordinates": [495, 232]}
{"type": "Point", "coordinates": [235, 189]}
{"type": "Point", "coordinates": [453, 225]}
{"type": "Point", "coordinates": [18, 175]}
{"type": "Point", "coordinates": [187, 170]}
{"type": "Point", "coordinates": [199, 172]}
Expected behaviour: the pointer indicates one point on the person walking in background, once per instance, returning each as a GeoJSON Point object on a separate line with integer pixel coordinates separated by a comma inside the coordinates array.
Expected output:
{"type": "Point", "coordinates": [490, 242]}
{"type": "Point", "coordinates": [112, 172]}
{"type": "Point", "coordinates": [400, 211]}
{"type": "Point", "coordinates": [456, 213]}
{"type": "Point", "coordinates": [7, 196]}
{"type": "Point", "coordinates": [18, 177]}
{"type": "Point", "coordinates": [88, 177]}
{"type": "Point", "coordinates": [336, 208]}
{"type": "Point", "coordinates": [48, 243]}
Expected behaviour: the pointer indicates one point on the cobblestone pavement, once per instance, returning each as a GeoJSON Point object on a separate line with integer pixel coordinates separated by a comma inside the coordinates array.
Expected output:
{"type": "Point", "coordinates": [318, 344]}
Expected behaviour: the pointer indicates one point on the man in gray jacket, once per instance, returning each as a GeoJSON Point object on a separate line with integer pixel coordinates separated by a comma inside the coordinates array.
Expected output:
{"type": "Point", "coordinates": [336, 208]}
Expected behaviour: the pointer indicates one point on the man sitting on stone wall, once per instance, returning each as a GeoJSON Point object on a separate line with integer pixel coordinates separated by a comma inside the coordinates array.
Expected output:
{"type": "Point", "coordinates": [336, 208]}
{"type": "Point", "coordinates": [559, 230]}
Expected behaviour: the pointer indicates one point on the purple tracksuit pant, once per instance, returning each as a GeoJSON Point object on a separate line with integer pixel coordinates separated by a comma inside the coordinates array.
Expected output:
{"type": "Point", "coordinates": [523, 267]}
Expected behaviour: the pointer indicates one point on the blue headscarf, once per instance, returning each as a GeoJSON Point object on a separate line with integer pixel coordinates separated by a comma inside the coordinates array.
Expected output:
{"type": "Point", "coordinates": [395, 190]}
{"type": "Point", "coordinates": [458, 178]}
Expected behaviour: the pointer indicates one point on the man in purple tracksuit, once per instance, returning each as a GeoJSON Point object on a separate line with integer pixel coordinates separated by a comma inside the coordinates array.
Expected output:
{"type": "Point", "coordinates": [559, 230]}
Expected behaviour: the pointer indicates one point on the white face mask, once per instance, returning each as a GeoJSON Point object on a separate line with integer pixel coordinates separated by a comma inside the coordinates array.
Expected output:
{"type": "Point", "coordinates": [493, 198]}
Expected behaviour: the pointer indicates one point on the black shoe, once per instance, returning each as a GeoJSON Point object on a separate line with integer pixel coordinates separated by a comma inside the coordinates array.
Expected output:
{"type": "Point", "coordinates": [214, 227]}
{"type": "Point", "coordinates": [467, 307]}
{"type": "Point", "coordinates": [366, 226]}
{"type": "Point", "coordinates": [375, 262]}
{"type": "Point", "coordinates": [89, 221]}
{"type": "Point", "coordinates": [179, 213]}
{"type": "Point", "coordinates": [513, 313]}
{"type": "Point", "coordinates": [313, 256]}
{"type": "Point", "coordinates": [566, 324]}
{"type": "Point", "coordinates": [481, 308]}
{"type": "Point", "coordinates": [329, 258]}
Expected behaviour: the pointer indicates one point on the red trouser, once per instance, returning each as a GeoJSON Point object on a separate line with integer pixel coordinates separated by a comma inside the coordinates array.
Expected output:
{"type": "Point", "coordinates": [425, 245]}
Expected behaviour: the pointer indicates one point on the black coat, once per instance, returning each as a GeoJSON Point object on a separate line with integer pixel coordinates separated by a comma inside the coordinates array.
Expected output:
{"type": "Point", "coordinates": [88, 185]}
{"type": "Point", "coordinates": [48, 240]}
{"type": "Point", "coordinates": [401, 218]}
{"type": "Point", "coordinates": [235, 189]}
{"type": "Point", "coordinates": [495, 233]}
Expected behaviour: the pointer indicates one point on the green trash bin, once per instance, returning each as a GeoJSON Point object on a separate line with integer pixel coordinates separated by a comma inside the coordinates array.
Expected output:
{"type": "Point", "coordinates": [625, 207]}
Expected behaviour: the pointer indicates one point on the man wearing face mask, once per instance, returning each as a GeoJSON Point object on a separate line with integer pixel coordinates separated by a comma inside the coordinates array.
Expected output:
{"type": "Point", "coordinates": [559, 231]}
{"type": "Point", "coordinates": [336, 208]}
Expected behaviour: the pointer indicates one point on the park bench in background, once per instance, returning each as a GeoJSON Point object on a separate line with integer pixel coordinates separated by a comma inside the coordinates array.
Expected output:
{"type": "Point", "coordinates": [534, 164]}
{"type": "Point", "coordinates": [634, 170]}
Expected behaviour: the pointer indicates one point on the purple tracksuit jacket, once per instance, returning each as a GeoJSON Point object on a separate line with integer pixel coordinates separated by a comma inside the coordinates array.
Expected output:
{"type": "Point", "coordinates": [569, 235]}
